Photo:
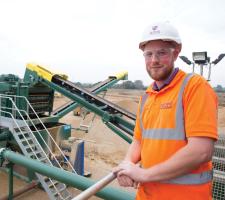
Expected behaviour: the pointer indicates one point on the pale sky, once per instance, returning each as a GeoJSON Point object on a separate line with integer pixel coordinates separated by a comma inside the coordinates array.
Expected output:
{"type": "Point", "coordinates": [90, 40]}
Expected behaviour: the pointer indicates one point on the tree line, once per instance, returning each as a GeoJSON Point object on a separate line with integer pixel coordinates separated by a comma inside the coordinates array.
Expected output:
{"type": "Point", "coordinates": [219, 88]}
{"type": "Point", "coordinates": [135, 85]}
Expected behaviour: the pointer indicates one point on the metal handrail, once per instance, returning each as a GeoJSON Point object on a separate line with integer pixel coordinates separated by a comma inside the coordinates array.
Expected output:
{"type": "Point", "coordinates": [35, 137]}
{"type": "Point", "coordinates": [29, 105]}
{"type": "Point", "coordinates": [12, 117]}
{"type": "Point", "coordinates": [29, 144]}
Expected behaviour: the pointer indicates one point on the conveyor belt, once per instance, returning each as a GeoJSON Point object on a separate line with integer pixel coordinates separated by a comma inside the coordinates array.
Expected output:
{"type": "Point", "coordinates": [63, 107]}
{"type": "Point", "coordinates": [120, 121]}
{"type": "Point", "coordinates": [101, 84]}
{"type": "Point", "coordinates": [92, 89]}
{"type": "Point", "coordinates": [91, 98]}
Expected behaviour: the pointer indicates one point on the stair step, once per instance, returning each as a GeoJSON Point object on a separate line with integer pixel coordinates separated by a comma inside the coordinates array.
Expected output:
{"type": "Point", "coordinates": [35, 152]}
{"type": "Point", "coordinates": [43, 159]}
{"type": "Point", "coordinates": [36, 157]}
{"type": "Point", "coordinates": [52, 183]}
{"type": "Point", "coordinates": [56, 189]}
{"type": "Point", "coordinates": [69, 197]}
{"type": "Point", "coordinates": [26, 139]}
{"type": "Point", "coordinates": [60, 188]}
{"type": "Point", "coordinates": [45, 178]}
{"type": "Point", "coordinates": [23, 128]}
{"type": "Point", "coordinates": [64, 195]}
{"type": "Point", "coordinates": [30, 146]}
{"type": "Point", "coordinates": [23, 133]}
{"type": "Point", "coordinates": [22, 136]}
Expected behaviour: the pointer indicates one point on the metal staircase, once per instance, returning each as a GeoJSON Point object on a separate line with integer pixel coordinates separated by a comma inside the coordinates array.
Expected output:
{"type": "Point", "coordinates": [14, 119]}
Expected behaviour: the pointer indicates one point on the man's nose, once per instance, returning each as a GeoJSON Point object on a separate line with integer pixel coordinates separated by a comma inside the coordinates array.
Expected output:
{"type": "Point", "coordinates": [155, 58]}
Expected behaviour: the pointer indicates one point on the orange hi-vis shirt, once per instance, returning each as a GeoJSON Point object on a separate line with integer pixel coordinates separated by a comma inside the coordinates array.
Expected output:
{"type": "Point", "coordinates": [157, 120]}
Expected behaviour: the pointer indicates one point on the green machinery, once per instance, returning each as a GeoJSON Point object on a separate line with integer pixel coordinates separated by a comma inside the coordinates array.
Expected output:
{"type": "Point", "coordinates": [27, 116]}
{"type": "Point", "coordinates": [119, 120]}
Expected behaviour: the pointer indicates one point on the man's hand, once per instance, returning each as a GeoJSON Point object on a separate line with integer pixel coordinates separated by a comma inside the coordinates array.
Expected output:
{"type": "Point", "coordinates": [134, 171]}
{"type": "Point", "coordinates": [125, 175]}
{"type": "Point", "coordinates": [125, 181]}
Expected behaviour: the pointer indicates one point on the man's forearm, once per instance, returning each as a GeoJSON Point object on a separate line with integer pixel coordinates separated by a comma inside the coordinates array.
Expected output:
{"type": "Point", "coordinates": [134, 152]}
{"type": "Point", "coordinates": [182, 162]}
{"type": "Point", "coordinates": [179, 164]}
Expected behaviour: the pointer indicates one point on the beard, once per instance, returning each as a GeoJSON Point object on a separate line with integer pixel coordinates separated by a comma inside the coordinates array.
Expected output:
{"type": "Point", "coordinates": [159, 72]}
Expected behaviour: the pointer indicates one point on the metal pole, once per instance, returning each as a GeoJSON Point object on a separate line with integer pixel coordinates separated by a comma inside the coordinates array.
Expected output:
{"type": "Point", "coordinates": [74, 180]}
{"type": "Point", "coordinates": [96, 187]}
{"type": "Point", "coordinates": [10, 180]}
{"type": "Point", "coordinates": [209, 72]}
{"type": "Point", "coordinates": [201, 69]}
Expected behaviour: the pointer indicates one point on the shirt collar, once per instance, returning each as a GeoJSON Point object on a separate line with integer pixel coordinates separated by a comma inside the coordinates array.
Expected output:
{"type": "Point", "coordinates": [167, 81]}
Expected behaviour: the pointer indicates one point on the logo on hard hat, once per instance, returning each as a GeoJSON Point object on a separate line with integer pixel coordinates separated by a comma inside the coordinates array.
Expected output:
{"type": "Point", "coordinates": [154, 30]}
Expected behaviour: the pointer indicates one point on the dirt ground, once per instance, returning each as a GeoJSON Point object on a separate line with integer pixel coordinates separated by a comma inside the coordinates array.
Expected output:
{"type": "Point", "coordinates": [103, 148]}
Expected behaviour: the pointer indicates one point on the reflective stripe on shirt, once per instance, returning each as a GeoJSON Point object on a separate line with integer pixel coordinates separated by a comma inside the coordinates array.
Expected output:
{"type": "Point", "coordinates": [192, 179]}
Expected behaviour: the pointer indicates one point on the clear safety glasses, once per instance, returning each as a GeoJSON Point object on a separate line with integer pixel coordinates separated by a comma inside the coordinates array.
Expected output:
{"type": "Point", "coordinates": [160, 53]}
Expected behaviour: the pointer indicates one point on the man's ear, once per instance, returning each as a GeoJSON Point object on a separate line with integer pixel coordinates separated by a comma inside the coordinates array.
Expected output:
{"type": "Point", "coordinates": [177, 50]}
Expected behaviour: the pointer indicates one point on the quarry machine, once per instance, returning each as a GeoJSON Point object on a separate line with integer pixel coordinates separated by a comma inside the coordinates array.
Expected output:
{"type": "Point", "coordinates": [26, 110]}
{"type": "Point", "coordinates": [29, 125]}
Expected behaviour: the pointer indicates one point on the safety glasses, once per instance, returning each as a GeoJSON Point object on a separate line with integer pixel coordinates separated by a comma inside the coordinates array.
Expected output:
{"type": "Point", "coordinates": [160, 53]}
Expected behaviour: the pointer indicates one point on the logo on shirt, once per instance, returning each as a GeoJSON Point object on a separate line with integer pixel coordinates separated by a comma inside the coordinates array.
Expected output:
{"type": "Point", "coordinates": [166, 105]}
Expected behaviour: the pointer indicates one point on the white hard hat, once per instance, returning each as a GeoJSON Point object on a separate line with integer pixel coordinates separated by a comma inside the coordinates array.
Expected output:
{"type": "Point", "coordinates": [160, 31]}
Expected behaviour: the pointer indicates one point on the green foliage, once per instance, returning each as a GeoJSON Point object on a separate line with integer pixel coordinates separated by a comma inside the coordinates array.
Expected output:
{"type": "Point", "coordinates": [219, 88]}
{"type": "Point", "coordinates": [136, 85]}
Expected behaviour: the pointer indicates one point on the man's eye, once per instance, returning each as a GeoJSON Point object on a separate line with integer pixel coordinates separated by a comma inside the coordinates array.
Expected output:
{"type": "Point", "coordinates": [148, 54]}
{"type": "Point", "coordinates": [162, 53]}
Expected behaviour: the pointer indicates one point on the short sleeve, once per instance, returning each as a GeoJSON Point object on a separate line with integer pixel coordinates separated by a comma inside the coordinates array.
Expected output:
{"type": "Point", "coordinates": [200, 108]}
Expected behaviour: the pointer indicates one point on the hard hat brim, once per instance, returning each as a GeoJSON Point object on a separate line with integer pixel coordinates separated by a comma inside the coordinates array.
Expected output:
{"type": "Point", "coordinates": [142, 44]}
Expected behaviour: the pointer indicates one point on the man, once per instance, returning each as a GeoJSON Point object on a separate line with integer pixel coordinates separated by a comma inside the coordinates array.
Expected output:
{"type": "Point", "coordinates": [176, 127]}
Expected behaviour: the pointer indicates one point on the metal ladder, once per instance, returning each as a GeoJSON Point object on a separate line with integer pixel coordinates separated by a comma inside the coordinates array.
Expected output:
{"type": "Point", "coordinates": [31, 147]}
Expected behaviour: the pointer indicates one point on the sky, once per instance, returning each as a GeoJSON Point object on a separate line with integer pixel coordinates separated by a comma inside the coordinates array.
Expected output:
{"type": "Point", "coordinates": [90, 40]}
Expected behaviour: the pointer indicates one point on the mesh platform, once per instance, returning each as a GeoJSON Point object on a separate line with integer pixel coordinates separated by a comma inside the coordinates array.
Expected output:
{"type": "Point", "coordinates": [219, 169]}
